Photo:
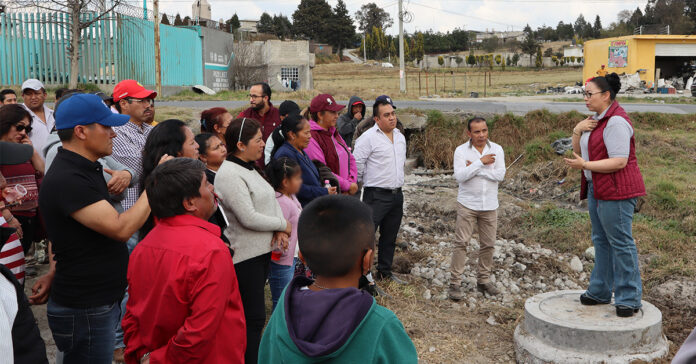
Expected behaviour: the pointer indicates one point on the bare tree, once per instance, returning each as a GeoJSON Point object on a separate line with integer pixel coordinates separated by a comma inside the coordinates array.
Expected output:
{"type": "Point", "coordinates": [74, 23]}
{"type": "Point", "coordinates": [247, 66]}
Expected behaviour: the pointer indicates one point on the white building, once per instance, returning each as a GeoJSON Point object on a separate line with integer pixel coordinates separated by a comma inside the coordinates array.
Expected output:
{"type": "Point", "coordinates": [200, 10]}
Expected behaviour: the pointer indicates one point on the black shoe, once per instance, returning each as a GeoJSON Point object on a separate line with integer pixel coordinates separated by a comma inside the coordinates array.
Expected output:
{"type": "Point", "coordinates": [625, 311]}
{"type": "Point", "coordinates": [389, 277]}
{"type": "Point", "coordinates": [589, 301]}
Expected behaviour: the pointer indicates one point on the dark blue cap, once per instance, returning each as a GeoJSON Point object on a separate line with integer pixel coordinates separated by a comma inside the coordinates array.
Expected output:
{"type": "Point", "coordinates": [385, 98]}
{"type": "Point", "coordinates": [85, 109]}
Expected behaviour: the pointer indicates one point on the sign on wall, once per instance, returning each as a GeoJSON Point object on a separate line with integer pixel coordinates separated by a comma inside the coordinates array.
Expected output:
{"type": "Point", "coordinates": [618, 54]}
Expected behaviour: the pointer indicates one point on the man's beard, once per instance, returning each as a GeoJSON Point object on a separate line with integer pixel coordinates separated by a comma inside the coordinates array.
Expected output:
{"type": "Point", "coordinates": [259, 106]}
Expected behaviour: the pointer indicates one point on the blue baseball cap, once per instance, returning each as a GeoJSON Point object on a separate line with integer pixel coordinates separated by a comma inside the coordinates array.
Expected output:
{"type": "Point", "coordinates": [85, 109]}
{"type": "Point", "coordinates": [385, 98]}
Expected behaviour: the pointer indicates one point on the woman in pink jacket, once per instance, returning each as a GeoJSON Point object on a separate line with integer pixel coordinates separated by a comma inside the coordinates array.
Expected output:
{"type": "Point", "coordinates": [327, 146]}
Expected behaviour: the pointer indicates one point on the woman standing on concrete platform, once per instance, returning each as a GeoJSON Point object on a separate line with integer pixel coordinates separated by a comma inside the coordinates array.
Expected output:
{"type": "Point", "coordinates": [611, 181]}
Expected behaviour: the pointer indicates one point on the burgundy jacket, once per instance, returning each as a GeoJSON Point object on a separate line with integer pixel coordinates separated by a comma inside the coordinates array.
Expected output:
{"type": "Point", "coordinates": [620, 185]}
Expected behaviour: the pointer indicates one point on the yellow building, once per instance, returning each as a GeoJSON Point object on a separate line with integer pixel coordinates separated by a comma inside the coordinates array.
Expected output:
{"type": "Point", "coordinates": [644, 54]}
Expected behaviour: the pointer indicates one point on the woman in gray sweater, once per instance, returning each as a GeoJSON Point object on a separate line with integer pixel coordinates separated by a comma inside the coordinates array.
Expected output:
{"type": "Point", "coordinates": [256, 222]}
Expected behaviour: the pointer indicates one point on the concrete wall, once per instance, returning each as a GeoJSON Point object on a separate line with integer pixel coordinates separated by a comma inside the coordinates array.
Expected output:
{"type": "Point", "coordinates": [217, 58]}
{"type": "Point", "coordinates": [288, 54]}
{"type": "Point", "coordinates": [572, 51]}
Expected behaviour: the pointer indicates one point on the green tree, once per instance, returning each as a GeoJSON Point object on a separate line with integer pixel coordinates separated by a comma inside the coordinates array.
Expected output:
{"type": "Point", "coordinates": [164, 20]}
{"type": "Point", "coordinates": [440, 60]}
{"type": "Point", "coordinates": [370, 16]}
{"type": "Point", "coordinates": [311, 20]}
{"type": "Point", "coordinates": [282, 27]}
{"type": "Point", "coordinates": [233, 23]}
{"type": "Point", "coordinates": [548, 52]}
{"type": "Point", "coordinates": [265, 24]}
{"type": "Point", "coordinates": [572, 59]}
{"type": "Point", "coordinates": [498, 59]}
{"type": "Point", "coordinates": [341, 28]}
{"type": "Point", "coordinates": [597, 27]}
{"type": "Point", "coordinates": [539, 61]}
{"type": "Point", "coordinates": [471, 59]}
{"type": "Point", "coordinates": [407, 52]}
{"type": "Point", "coordinates": [490, 44]}
{"type": "Point", "coordinates": [503, 65]}
{"type": "Point", "coordinates": [420, 47]}
{"type": "Point", "coordinates": [529, 45]}
{"type": "Point", "coordinates": [178, 21]}
{"type": "Point", "coordinates": [515, 59]}
{"type": "Point", "coordinates": [392, 49]}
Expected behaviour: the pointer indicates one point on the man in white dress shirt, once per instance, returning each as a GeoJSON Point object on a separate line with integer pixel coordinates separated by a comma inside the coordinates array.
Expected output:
{"type": "Point", "coordinates": [380, 156]}
{"type": "Point", "coordinates": [479, 165]}
{"type": "Point", "coordinates": [42, 120]}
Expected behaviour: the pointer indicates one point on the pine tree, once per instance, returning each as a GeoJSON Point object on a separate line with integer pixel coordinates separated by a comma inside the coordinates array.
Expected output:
{"type": "Point", "coordinates": [341, 28]}
{"type": "Point", "coordinates": [165, 20]}
{"type": "Point", "coordinates": [392, 49]}
{"type": "Point", "coordinates": [420, 48]}
{"type": "Point", "coordinates": [178, 21]}
{"type": "Point", "coordinates": [311, 20]}
{"type": "Point", "coordinates": [265, 24]}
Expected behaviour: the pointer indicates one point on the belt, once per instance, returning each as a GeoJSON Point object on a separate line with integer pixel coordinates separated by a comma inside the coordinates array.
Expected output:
{"type": "Point", "coordinates": [393, 191]}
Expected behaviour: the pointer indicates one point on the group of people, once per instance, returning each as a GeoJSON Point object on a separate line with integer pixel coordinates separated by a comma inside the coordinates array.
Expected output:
{"type": "Point", "coordinates": [162, 240]}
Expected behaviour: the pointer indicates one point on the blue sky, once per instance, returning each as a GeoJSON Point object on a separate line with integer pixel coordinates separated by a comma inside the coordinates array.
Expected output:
{"type": "Point", "coordinates": [437, 15]}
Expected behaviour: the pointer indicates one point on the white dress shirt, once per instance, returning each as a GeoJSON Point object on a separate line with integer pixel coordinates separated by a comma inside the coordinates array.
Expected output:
{"type": "Point", "coordinates": [8, 312]}
{"type": "Point", "coordinates": [380, 162]}
{"type": "Point", "coordinates": [478, 183]}
{"type": "Point", "coordinates": [40, 131]}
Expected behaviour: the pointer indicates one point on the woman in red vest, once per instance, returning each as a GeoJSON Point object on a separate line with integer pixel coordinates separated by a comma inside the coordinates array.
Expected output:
{"type": "Point", "coordinates": [611, 181]}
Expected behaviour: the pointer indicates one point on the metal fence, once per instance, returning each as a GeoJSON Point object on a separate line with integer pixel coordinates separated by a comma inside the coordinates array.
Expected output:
{"type": "Point", "coordinates": [117, 47]}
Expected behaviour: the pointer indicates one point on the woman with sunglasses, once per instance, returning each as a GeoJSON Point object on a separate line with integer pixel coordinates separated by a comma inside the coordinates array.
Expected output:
{"type": "Point", "coordinates": [15, 126]}
{"type": "Point", "coordinates": [256, 222]}
{"type": "Point", "coordinates": [605, 152]}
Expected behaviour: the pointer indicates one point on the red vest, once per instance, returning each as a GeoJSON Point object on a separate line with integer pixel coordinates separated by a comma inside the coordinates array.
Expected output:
{"type": "Point", "coordinates": [620, 185]}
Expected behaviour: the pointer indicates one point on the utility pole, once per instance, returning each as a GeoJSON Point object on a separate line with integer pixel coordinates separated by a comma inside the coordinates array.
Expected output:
{"type": "Point", "coordinates": [158, 64]}
{"type": "Point", "coordinates": [402, 71]}
{"type": "Point", "coordinates": [364, 49]}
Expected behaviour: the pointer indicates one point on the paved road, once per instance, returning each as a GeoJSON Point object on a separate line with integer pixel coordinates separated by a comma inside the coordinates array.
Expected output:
{"type": "Point", "coordinates": [494, 105]}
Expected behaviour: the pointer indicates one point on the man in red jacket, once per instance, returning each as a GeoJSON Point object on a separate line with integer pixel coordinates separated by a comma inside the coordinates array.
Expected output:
{"type": "Point", "coordinates": [184, 304]}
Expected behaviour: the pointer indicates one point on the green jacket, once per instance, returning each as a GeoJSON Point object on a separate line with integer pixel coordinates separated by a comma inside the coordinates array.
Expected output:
{"type": "Point", "coordinates": [378, 338]}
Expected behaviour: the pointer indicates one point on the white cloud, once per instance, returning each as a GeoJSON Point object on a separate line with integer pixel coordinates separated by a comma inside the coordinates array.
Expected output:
{"type": "Point", "coordinates": [438, 15]}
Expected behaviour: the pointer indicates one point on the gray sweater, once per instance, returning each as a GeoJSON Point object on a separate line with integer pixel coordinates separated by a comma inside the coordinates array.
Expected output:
{"type": "Point", "coordinates": [250, 204]}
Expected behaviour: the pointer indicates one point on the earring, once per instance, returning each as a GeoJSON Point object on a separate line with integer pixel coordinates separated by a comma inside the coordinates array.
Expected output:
{"type": "Point", "coordinates": [243, 149]}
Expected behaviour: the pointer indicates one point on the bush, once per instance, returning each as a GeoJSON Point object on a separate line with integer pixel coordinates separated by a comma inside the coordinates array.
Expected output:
{"type": "Point", "coordinates": [440, 60]}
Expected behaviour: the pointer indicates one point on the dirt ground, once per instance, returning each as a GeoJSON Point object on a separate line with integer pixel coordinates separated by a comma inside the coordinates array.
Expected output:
{"type": "Point", "coordinates": [478, 329]}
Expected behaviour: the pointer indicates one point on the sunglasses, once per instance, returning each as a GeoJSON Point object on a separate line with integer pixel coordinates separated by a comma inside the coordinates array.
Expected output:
{"type": "Point", "coordinates": [22, 127]}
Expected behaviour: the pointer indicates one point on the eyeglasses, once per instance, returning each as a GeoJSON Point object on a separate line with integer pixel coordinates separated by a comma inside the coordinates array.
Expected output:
{"type": "Point", "coordinates": [255, 96]}
{"type": "Point", "coordinates": [589, 94]}
{"type": "Point", "coordinates": [22, 127]}
{"type": "Point", "coordinates": [150, 102]}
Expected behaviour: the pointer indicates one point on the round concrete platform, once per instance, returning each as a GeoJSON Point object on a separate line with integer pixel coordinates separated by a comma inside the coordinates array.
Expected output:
{"type": "Point", "coordinates": [558, 329]}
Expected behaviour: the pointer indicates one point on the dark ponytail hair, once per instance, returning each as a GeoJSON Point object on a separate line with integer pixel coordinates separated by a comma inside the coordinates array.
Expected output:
{"type": "Point", "coordinates": [235, 133]}
{"type": "Point", "coordinates": [291, 123]}
{"type": "Point", "coordinates": [280, 169]}
{"type": "Point", "coordinates": [610, 82]}
{"type": "Point", "coordinates": [202, 140]}
{"type": "Point", "coordinates": [167, 137]}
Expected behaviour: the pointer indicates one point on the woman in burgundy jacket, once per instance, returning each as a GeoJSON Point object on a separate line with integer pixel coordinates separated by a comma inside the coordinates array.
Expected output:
{"type": "Point", "coordinates": [605, 151]}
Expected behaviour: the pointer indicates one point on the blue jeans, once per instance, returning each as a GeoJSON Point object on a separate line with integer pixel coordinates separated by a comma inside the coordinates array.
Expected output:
{"type": "Point", "coordinates": [83, 335]}
{"type": "Point", "coordinates": [131, 243]}
{"type": "Point", "coordinates": [616, 256]}
{"type": "Point", "coordinates": [279, 277]}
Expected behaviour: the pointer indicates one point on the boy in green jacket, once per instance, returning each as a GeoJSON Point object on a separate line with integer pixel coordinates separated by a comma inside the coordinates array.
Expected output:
{"type": "Point", "coordinates": [329, 319]}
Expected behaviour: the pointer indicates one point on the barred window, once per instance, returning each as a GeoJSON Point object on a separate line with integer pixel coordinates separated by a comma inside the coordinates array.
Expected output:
{"type": "Point", "coordinates": [289, 73]}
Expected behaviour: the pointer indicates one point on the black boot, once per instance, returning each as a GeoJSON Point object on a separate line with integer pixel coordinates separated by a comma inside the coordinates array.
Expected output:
{"type": "Point", "coordinates": [589, 301]}
{"type": "Point", "coordinates": [625, 311]}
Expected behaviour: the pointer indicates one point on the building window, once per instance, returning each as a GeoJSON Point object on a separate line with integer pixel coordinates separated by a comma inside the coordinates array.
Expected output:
{"type": "Point", "coordinates": [289, 73]}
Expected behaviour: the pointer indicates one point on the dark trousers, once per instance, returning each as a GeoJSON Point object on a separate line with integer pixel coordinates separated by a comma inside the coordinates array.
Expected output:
{"type": "Point", "coordinates": [387, 211]}
{"type": "Point", "coordinates": [30, 227]}
{"type": "Point", "coordinates": [251, 276]}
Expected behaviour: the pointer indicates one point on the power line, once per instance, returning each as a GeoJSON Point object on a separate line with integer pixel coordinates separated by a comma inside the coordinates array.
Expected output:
{"type": "Point", "coordinates": [464, 15]}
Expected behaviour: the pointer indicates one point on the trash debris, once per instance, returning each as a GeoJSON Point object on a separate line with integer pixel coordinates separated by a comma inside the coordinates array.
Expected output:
{"type": "Point", "coordinates": [562, 145]}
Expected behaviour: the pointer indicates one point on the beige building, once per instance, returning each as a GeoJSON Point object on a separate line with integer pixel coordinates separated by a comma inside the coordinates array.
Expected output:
{"type": "Point", "coordinates": [200, 9]}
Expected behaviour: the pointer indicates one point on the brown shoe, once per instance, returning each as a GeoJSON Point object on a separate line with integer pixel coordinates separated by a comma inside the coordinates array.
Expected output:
{"type": "Point", "coordinates": [455, 293]}
{"type": "Point", "coordinates": [488, 287]}
{"type": "Point", "coordinates": [118, 356]}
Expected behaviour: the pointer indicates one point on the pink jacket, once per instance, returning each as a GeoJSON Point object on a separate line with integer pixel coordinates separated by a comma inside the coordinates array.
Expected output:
{"type": "Point", "coordinates": [348, 172]}
{"type": "Point", "coordinates": [291, 211]}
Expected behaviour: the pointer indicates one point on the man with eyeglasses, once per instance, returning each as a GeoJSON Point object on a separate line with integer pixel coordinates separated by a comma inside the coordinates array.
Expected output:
{"type": "Point", "coordinates": [132, 99]}
{"type": "Point", "coordinates": [262, 110]}
{"type": "Point", "coordinates": [42, 121]}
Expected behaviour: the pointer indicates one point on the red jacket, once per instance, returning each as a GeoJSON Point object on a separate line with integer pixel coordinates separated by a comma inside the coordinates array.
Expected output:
{"type": "Point", "coordinates": [620, 185]}
{"type": "Point", "coordinates": [184, 304]}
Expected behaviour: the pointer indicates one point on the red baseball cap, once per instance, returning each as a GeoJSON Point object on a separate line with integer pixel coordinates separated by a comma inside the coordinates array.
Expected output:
{"type": "Point", "coordinates": [324, 102]}
{"type": "Point", "coordinates": [132, 88]}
